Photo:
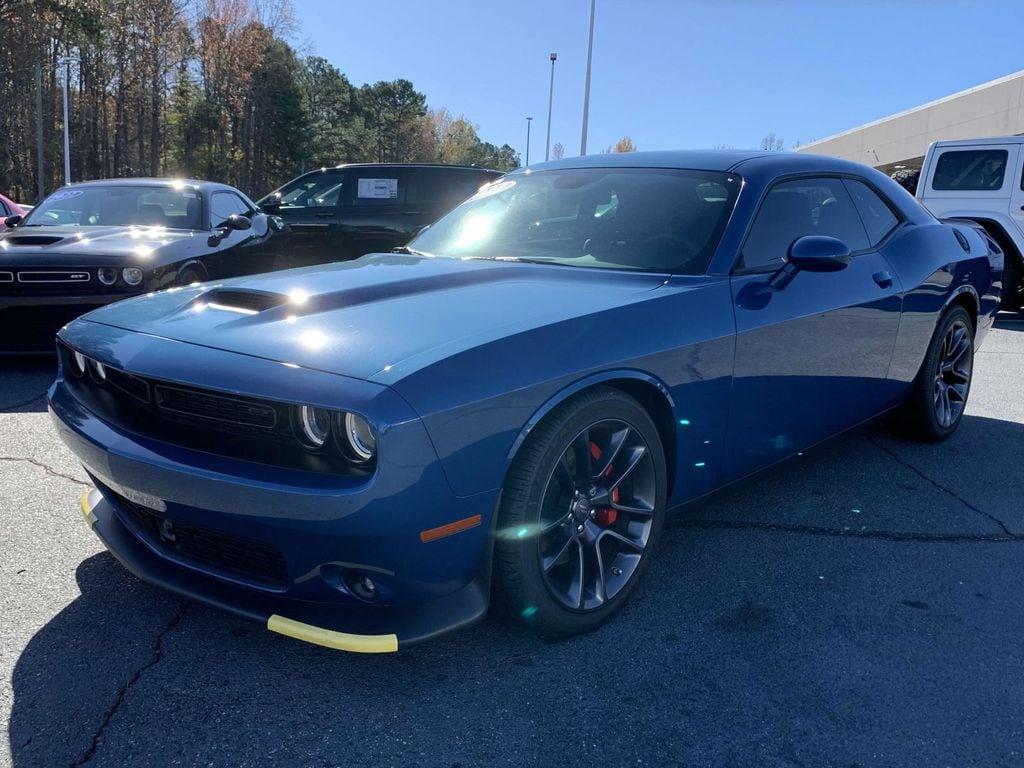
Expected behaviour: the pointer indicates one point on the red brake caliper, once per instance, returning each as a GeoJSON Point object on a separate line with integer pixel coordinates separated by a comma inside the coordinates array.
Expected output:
{"type": "Point", "coordinates": [606, 516]}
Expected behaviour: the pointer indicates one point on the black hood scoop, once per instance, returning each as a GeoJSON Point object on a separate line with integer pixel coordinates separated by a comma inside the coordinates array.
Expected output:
{"type": "Point", "coordinates": [35, 239]}
{"type": "Point", "coordinates": [246, 302]}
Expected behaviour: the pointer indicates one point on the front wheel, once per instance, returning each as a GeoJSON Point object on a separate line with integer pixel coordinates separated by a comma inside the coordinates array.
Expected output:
{"type": "Point", "coordinates": [939, 395]}
{"type": "Point", "coordinates": [582, 509]}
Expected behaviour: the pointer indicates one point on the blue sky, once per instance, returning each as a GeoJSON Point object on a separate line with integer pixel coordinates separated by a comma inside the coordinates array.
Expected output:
{"type": "Point", "coordinates": [670, 73]}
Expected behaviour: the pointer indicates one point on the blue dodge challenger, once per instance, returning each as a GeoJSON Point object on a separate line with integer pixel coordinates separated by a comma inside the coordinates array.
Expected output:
{"type": "Point", "coordinates": [364, 455]}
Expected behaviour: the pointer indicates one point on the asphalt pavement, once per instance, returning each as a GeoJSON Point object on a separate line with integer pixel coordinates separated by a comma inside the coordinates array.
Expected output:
{"type": "Point", "coordinates": [860, 607]}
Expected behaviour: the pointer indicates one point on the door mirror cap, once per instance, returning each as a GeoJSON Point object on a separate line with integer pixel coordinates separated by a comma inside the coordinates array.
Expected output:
{"type": "Point", "coordinates": [13, 221]}
{"type": "Point", "coordinates": [238, 222]}
{"type": "Point", "coordinates": [816, 253]}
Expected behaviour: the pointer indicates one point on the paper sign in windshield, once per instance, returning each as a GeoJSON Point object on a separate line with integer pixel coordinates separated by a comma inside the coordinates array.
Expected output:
{"type": "Point", "coordinates": [379, 189]}
{"type": "Point", "coordinates": [66, 194]}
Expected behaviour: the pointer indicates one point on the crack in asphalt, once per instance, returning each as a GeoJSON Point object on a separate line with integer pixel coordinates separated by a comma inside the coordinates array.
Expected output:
{"type": "Point", "coordinates": [122, 692]}
{"type": "Point", "coordinates": [46, 468]}
{"type": "Point", "coordinates": [813, 530]}
{"type": "Point", "coordinates": [949, 491]}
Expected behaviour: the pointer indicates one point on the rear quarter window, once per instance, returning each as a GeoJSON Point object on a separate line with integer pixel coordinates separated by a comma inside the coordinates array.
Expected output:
{"type": "Point", "coordinates": [970, 170]}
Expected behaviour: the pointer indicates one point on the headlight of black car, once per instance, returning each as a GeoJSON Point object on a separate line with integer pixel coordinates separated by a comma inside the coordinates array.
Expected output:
{"type": "Point", "coordinates": [132, 275]}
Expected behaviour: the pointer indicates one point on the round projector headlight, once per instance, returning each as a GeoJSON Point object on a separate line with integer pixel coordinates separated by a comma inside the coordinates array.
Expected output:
{"type": "Point", "coordinates": [315, 424]}
{"type": "Point", "coordinates": [107, 275]}
{"type": "Point", "coordinates": [360, 437]}
{"type": "Point", "coordinates": [78, 363]}
{"type": "Point", "coordinates": [132, 275]}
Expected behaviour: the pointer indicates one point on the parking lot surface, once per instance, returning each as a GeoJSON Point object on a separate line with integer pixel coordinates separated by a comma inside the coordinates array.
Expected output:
{"type": "Point", "coordinates": [861, 606]}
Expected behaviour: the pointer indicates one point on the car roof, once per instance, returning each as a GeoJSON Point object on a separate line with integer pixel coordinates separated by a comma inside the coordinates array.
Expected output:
{"type": "Point", "coordinates": [478, 168]}
{"type": "Point", "coordinates": [197, 184]}
{"type": "Point", "coordinates": [980, 142]}
{"type": "Point", "coordinates": [722, 160]}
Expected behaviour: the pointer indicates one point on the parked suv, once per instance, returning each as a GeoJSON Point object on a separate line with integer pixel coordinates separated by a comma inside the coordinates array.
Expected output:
{"type": "Point", "coordinates": [982, 180]}
{"type": "Point", "coordinates": [343, 212]}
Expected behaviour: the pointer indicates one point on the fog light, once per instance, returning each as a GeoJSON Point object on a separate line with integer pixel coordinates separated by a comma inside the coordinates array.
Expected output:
{"type": "Point", "coordinates": [315, 424]}
{"type": "Point", "coordinates": [107, 275]}
{"type": "Point", "coordinates": [359, 435]}
{"type": "Point", "coordinates": [132, 275]}
{"type": "Point", "coordinates": [360, 585]}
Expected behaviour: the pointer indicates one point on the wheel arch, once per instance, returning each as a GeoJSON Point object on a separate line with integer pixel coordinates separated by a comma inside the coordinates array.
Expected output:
{"type": "Point", "coordinates": [965, 296]}
{"type": "Point", "coordinates": [999, 232]}
{"type": "Point", "coordinates": [195, 263]}
{"type": "Point", "coordinates": [647, 389]}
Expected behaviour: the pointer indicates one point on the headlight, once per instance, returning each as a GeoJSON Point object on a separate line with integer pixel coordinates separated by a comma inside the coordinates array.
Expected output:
{"type": "Point", "coordinates": [315, 424]}
{"type": "Point", "coordinates": [359, 437]}
{"type": "Point", "coordinates": [107, 275]}
{"type": "Point", "coordinates": [77, 363]}
{"type": "Point", "coordinates": [99, 370]}
{"type": "Point", "coordinates": [132, 275]}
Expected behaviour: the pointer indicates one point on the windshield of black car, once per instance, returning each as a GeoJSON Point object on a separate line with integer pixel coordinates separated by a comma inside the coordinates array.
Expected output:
{"type": "Point", "coordinates": [119, 206]}
{"type": "Point", "coordinates": [613, 218]}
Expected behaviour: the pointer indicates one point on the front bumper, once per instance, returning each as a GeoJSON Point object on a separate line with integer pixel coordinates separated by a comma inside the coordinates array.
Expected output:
{"type": "Point", "coordinates": [30, 323]}
{"type": "Point", "coordinates": [395, 526]}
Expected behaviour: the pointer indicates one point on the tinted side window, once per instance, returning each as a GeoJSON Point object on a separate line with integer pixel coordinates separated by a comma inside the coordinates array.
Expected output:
{"type": "Point", "coordinates": [970, 170]}
{"type": "Point", "coordinates": [801, 207]}
{"type": "Point", "coordinates": [878, 218]}
{"type": "Point", "coordinates": [225, 204]}
{"type": "Point", "coordinates": [320, 189]}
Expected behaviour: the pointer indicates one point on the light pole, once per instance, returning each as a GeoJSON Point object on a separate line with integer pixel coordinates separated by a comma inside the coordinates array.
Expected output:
{"type": "Point", "coordinates": [586, 86]}
{"type": "Point", "coordinates": [551, 96]}
{"type": "Point", "coordinates": [529, 122]}
{"type": "Point", "coordinates": [67, 136]}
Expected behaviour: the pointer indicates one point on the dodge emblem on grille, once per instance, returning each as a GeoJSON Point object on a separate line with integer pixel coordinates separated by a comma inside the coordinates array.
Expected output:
{"type": "Point", "coordinates": [167, 532]}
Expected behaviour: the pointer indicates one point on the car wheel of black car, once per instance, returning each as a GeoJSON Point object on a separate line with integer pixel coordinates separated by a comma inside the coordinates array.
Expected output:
{"type": "Point", "coordinates": [939, 395]}
{"type": "Point", "coordinates": [190, 275]}
{"type": "Point", "coordinates": [582, 509]}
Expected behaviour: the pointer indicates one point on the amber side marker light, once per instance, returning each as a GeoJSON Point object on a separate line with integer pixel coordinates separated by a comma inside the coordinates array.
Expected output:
{"type": "Point", "coordinates": [449, 529]}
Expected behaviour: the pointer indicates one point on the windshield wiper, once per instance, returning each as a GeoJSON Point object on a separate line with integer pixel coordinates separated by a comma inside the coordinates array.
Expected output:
{"type": "Point", "coordinates": [410, 251]}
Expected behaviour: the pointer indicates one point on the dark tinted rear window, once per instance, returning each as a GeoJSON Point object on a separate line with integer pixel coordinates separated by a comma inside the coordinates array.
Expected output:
{"type": "Point", "coordinates": [970, 170]}
{"type": "Point", "coordinates": [878, 218]}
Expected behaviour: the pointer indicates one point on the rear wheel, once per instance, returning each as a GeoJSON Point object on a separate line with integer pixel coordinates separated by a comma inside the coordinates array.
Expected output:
{"type": "Point", "coordinates": [582, 509]}
{"type": "Point", "coordinates": [939, 395]}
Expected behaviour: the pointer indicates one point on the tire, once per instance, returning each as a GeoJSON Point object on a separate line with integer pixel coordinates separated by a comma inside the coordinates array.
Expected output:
{"type": "Point", "coordinates": [542, 518]}
{"type": "Point", "coordinates": [190, 275]}
{"type": "Point", "coordinates": [1013, 282]}
{"type": "Point", "coordinates": [922, 416]}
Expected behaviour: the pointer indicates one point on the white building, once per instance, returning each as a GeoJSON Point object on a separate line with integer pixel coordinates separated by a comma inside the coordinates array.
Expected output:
{"type": "Point", "coordinates": [899, 141]}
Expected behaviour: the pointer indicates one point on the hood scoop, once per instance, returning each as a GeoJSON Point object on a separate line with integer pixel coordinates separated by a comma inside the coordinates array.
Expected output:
{"type": "Point", "coordinates": [244, 302]}
{"type": "Point", "coordinates": [35, 239]}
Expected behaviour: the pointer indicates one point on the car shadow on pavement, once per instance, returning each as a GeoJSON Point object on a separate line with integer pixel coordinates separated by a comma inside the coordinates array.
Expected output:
{"type": "Point", "coordinates": [858, 607]}
{"type": "Point", "coordinates": [24, 381]}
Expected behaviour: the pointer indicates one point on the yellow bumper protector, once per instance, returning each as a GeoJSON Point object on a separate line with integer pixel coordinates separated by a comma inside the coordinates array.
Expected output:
{"type": "Point", "coordinates": [86, 503]}
{"type": "Point", "coordinates": [339, 641]}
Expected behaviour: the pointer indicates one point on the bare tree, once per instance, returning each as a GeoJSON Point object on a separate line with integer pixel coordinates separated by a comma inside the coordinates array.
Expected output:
{"type": "Point", "coordinates": [772, 143]}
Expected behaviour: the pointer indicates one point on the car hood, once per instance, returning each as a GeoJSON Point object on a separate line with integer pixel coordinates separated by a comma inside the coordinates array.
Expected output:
{"type": "Point", "coordinates": [85, 246]}
{"type": "Point", "coordinates": [379, 317]}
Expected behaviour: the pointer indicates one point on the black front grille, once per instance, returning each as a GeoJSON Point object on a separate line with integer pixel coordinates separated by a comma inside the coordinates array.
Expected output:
{"type": "Point", "coordinates": [54, 276]}
{"type": "Point", "coordinates": [206, 548]}
{"type": "Point", "coordinates": [233, 410]}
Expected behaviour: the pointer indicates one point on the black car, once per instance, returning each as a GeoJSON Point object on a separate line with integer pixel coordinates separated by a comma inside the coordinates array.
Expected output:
{"type": "Point", "coordinates": [343, 212]}
{"type": "Point", "coordinates": [97, 242]}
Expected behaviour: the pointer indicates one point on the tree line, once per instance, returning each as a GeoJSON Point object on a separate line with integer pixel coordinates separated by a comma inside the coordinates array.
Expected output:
{"type": "Point", "coordinates": [210, 89]}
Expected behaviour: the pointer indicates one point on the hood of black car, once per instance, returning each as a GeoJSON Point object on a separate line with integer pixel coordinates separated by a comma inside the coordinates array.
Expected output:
{"type": "Point", "coordinates": [83, 246]}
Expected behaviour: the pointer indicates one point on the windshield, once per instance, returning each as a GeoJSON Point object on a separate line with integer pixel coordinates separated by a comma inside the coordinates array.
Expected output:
{"type": "Point", "coordinates": [119, 206]}
{"type": "Point", "coordinates": [612, 218]}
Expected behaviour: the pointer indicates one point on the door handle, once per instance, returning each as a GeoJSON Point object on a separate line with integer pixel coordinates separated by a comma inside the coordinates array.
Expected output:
{"type": "Point", "coordinates": [884, 279]}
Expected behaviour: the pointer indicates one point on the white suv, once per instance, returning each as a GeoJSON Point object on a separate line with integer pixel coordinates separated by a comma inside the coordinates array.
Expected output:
{"type": "Point", "coordinates": [982, 180]}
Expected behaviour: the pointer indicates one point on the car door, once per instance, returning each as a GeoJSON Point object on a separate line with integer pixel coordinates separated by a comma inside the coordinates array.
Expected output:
{"type": "Point", "coordinates": [236, 252]}
{"type": "Point", "coordinates": [382, 208]}
{"type": "Point", "coordinates": [310, 207]}
{"type": "Point", "coordinates": [811, 357]}
{"type": "Point", "coordinates": [1017, 198]}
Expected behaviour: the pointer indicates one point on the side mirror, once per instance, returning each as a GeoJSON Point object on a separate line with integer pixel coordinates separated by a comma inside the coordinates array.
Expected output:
{"type": "Point", "coordinates": [238, 222]}
{"type": "Point", "coordinates": [811, 253]}
{"type": "Point", "coordinates": [13, 221]}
